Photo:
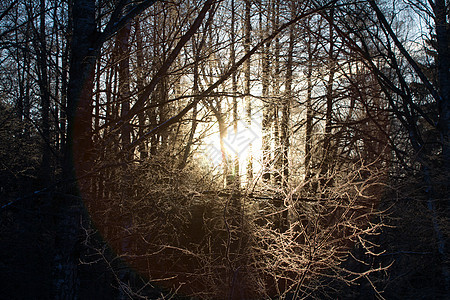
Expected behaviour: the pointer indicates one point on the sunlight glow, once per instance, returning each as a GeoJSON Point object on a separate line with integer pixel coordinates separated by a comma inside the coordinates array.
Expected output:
{"type": "Point", "coordinates": [245, 142]}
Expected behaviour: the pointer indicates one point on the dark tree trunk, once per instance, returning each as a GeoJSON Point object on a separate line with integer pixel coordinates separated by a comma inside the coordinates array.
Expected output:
{"type": "Point", "coordinates": [267, 118]}
{"type": "Point", "coordinates": [309, 111]}
{"type": "Point", "coordinates": [276, 94]}
{"type": "Point", "coordinates": [235, 182]}
{"type": "Point", "coordinates": [78, 147]}
{"type": "Point", "coordinates": [143, 148]}
{"type": "Point", "coordinates": [124, 81]}
{"type": "Point", "coordinates": [248, 104]}
{"type": "Point", "coordinates": [286, 103]}
{"type": "Point", "coordinates": [45, 98]}
{"type": "Point", "coordinates": [326, 168]}
{"type": "Point", "coordinates": [195, 90]}
{"type": "Point", "coordinates": [442, 37]}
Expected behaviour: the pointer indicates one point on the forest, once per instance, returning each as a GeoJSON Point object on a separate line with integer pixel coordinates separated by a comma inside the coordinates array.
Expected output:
{"type": "Point", "coordinates": [224, 149]}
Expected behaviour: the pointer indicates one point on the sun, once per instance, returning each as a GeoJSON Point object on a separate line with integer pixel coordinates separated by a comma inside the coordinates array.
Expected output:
{"type": "Point", "coordinates": [243, 144]}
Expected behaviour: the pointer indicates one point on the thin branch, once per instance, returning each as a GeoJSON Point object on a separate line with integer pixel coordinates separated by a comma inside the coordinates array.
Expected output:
{"type": "Point", "coordinates": [404, 52]}
{"type": "Point", "coordinates": [225, 76]}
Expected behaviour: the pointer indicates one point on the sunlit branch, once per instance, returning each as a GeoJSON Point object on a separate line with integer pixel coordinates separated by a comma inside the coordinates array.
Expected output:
{"type": "Point", "coordinates": [225, 76]}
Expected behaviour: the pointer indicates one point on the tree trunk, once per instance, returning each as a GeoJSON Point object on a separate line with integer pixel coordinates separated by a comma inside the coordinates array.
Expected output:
{"type": "Point", "coordinates": [124, 81]}
{"type": "Point", "coordinates": [325, 171]}
{"type": "Point", "coordinates": [195, 90]}
{"type": "Point", "coordinates": [222, 135]}
{"type": "Point", "coordinates": [78, 147]}
{"type": "Point", "coordinates": [125, 220]}
{"type": "Point", "coordinates": [277, 148]}
{"type": "Point", "coordinates": [440, 10]}
{"type": "Point", "coordinates": [267, 109]}
{"type": "Point", "coordinates": [235, 168]}
{"type": "Point", "coordinates": [248, 104]}
{"type": "Point", "coordinates": [284, 126]}
{"type": "Point", "coordinates": [64, 86]}
{"type": "Point", "coordinates": [286, 103]}
{"type": "Point", "coordinates": [140, 82]}
{"type": "Point", "coordinates": [45, 97]}
{"type": "Point", "coordinates": [442, 36]}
